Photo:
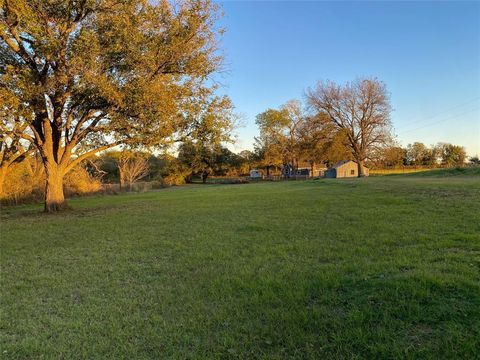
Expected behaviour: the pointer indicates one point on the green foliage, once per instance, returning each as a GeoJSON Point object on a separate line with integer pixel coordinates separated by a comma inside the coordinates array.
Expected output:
{"type": "Point", "coordinates": [390, 156]}
{"type": "Point", "coordinates": [246, 161]}
{"type": "Point", "coordinates": [177, 177]}
{"type": "Point", "coordinates": [206, 159]}
{"type": "Point", "coordinates": [451, 155]}
{"type": "Point", "coordinates": [107, 164]}
{"type": "Point", "coordinates": [159, 166]}
{"type": "Point", "coordinates": [419, 154]}
{"type": "Point", "coordinates": [97, 73]}
{"type": "Point", "coordinates": [279, 134]}
{"type": "Point", "coordinates": [474, 160]}
{"type": "Point", "coordinates": [290, 136]}
{"type": "Point", "coordinates": [377, 268]}
{"type": "Point", "coordinates": [127, 66]}
{"type": "Point", "coordinates": [201, 150]}
{"type": "Point", "coordinates": [445, 153]}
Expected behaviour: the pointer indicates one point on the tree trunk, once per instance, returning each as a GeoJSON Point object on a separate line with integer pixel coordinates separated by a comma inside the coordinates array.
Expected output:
{"type": "Point", "coordinates": [3, 174]}
{"type": "Point", "coordinates": [121, 178]}
{"type": "Point", "coordinates": [361, 173]}
{"type": "Point", "coordinates": [54, 196]}
{"type": "Point", "coordinates": [204, 177]}
{"type": "Point", "coordinates": [268, 170]}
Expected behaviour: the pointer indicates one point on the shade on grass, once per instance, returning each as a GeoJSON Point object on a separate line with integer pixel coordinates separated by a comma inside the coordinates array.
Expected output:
{"type": "Point", "coordinates": [384, 267]}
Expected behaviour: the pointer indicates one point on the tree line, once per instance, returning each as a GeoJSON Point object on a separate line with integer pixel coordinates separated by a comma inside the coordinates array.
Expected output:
{"type": "Point", "coordinates": [418, 154]}
{"type": "Point", "coordinates": [336, 122]}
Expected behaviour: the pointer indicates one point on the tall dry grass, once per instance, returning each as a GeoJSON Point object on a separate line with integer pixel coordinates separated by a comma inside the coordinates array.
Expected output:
{"type": "Point", "coordinates": [25, 182]}
{"type": "Point", "coordinates": [395, 171]}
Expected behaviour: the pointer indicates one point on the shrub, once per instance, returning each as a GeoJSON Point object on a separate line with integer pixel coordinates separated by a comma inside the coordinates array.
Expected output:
{"type": "Point", "coordinates": [178, 174]}
{"type": "Point", "coordinates": [175, 179]}
{"type": "Point", "coordinates": [25, 182]}
{"type": "Point", "coordinates": [80, 182]}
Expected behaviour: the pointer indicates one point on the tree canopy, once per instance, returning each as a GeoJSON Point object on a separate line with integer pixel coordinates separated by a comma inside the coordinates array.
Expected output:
{"type": "Point", "coordinates": [96, 73]}
{"type": "Point", "coordinates": [360, 108]}
{"type": "Point", "coordinates": [279, 132]}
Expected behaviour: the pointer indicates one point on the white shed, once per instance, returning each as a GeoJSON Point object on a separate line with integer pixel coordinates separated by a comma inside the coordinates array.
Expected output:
{"type": "Point", "coordinates": [255, 174]}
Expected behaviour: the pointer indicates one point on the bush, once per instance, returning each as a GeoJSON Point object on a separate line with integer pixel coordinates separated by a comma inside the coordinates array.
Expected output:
{"type": "Point", "coordinates": [80, 182]}
{"type": "Point", "coordinates": [25, 182]}
{"type": "Point", "coordinates": [178, 174]}
{"type": "Point", "coordinates": [175, 179]}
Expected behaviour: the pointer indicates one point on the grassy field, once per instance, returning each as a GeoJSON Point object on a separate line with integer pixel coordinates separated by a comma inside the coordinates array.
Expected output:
{"type": "Point", "coordinates": [396, 171]}
{"type": "Point", "coordinates": [384, 268]}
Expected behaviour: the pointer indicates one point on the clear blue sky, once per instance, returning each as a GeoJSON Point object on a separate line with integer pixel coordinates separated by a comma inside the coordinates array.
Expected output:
{"type": "Point", "coordinates": [428, 54]}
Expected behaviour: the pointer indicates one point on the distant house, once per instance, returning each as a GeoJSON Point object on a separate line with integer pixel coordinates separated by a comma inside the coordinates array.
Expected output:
{"type": "Point", "coordinates": [346, 168]}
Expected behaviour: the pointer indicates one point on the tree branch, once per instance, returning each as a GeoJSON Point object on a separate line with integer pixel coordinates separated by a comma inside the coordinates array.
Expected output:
{"type": "Point", "coordinates": [86, 155]}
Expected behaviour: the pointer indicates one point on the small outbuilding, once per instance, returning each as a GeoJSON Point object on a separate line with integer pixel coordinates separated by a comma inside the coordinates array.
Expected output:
{"type": "Point", "coordinates": [255, 174]}
{"type": "Point", "coordinates": [343, 169]}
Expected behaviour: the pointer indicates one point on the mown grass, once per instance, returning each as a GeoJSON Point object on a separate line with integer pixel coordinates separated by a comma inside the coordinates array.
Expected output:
{"type": "Point", "coordinates": [384, 267]}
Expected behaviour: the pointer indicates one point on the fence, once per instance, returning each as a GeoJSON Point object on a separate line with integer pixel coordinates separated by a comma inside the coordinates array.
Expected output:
{"type": "Point", "coordinates": [141, 186]}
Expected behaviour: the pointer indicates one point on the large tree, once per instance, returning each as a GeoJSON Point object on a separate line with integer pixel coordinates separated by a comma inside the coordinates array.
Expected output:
{"type": "Point", "coordinates": [317, 137]}
{"type": "Point", "coordinates": [97, 73]}
{"type": "Point", "coordinates": [391, 155]}
{"type": "Point", "coordinates": [361, 109]}
{"type": "Point", "coordinates": [207, 159]}
{"type": "Point", "coordinates": [419, 154]}
{"type": "Point", "coordinates": [280, 131]}
{"type": "Point", "coordinates": [451, 155]}
{"type": "Point", "coordinates": [247, 160]}
{"type": "Point", "coordinates": [267, 152]}
{"type": "Point", "coordinates": [337, 149]}
{"type": "Point", "coordinates": [201, 144]}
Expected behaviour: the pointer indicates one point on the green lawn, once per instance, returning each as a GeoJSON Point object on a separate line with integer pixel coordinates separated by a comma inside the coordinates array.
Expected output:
{"type": "Point", "coordinates": [385, 267]}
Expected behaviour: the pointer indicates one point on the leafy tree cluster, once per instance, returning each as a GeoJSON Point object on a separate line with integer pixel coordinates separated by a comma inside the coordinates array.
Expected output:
{"type": "Point", "coordinates": [338, 122]}
{"type": "Point", "coordinates": [418, 154]}
{"type": "Point", "coordinates": [342, 122]}
{"type": "Point", "coordinates": [440, 154]}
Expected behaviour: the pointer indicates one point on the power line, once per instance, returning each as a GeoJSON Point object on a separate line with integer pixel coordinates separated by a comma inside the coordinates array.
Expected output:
{"type": "Point", "coordinates": [440, 113]}
{"type": "Point", "coordinates": [440, 121]}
